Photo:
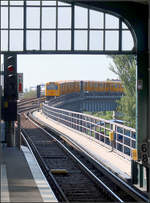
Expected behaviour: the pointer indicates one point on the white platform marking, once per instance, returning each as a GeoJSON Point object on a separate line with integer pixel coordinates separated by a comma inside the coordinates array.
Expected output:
{"type": "Point", "coordinates": [39, 178]}
{"type": "Point", "coordinates": [4, 185]}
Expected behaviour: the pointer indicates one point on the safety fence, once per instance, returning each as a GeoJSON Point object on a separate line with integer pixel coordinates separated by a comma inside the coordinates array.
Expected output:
{"type": "Point", "coordinates": [122, 142]}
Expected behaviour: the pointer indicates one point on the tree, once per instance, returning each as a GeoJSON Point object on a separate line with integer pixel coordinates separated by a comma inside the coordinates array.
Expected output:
{"type": "Point", "coordinates": [125, 67]}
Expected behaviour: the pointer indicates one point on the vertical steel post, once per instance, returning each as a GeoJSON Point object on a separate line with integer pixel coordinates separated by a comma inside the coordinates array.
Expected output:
{"type": "Point", "coordinates": [143, 113]}
{"type": "Point", "coordinates": [9, 133]}
{"type": "Point", "coordinates": [10, 115]}
{"type": "Point", "coordinates": [134, 172]}
{"type": "Point", "coordinates": [0, 81]}
{"type": "Point", "coordinates": [147, 180]}
{"type": "Point", "coordinates": [148, 176]}
{"type": "Point", "coordinates": [18, 133]}
{"type": "Point", "coordinates": [141, 175]}
{"type": "Point", "coordinates": [0, 93]}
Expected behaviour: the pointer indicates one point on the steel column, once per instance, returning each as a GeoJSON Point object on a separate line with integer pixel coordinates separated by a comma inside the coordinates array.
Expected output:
{"type": "Point", "coordinates": [9, 133]}
{"type": "Point", "coordinates": [18, 132]}
{"type": "Point", "coordinates": [142, 103]}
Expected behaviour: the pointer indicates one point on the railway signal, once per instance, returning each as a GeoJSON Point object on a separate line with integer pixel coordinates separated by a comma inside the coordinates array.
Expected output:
{"type": "Point", "coordinates": [10, 87]}
{"type": "Point", "coordinates": [20, 82]}
{"type": "Point", "coordinates": [10, 77]}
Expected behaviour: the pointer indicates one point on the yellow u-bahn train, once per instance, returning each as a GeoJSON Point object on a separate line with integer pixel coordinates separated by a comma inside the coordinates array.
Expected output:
{"type": "Point", "coordinates": [66, 87]}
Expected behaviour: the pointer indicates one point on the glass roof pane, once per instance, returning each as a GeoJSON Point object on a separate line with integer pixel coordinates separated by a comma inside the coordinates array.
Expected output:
{"type": "Point", "coordinates": [81, 17]}
{"type": "Point", "coordinates": [127, 41]}
{"type": "Point", "coordinates": [16, 17]}
{"type": "Point", "coordinates": [33, 17]}
{"type": "Point", "coordinates": [49, 3]}
{"type": "Point", "coordinates": [63, 4]}
{"type": "Point", "coordinates": [112, 22]}
{"type": "Point", "coordinates": [33, 40]}
{"type": "Point", "coordinates": [4, 40]}
{"type": "Point", "coordinates": [4, 2]}
{"type": "Point", "coordinates": [16, 40]}
{"type": "Point", "coordinates": [112, 40]}
{"type": "Point", "coordinates": [80, 40]}
{"type": "Point", "coordinates": [64, 21]}
{"type": "Point", "coordinates": [12, 2]}
{"type": "Point", "coordinates": [124, 26]}
{"type": "Point", "coordinates": [4, 17]}
{"type": "Point", "coordinates": [64, 40]}
{"type": "Point", "coordinates": [33, 2]}
{"type": "Point", "coordinates": [49, 17]}
{"type": "Point", "coordinates": [96, 40]}
{"type": "Point", "coordinates": [96, 19]}
{"type": "Point", "coordinates": [48, 40]}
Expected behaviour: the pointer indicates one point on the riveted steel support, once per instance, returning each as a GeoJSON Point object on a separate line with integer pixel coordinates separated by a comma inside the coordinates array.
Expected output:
{"type": "Point", "coordinates": [18, 132]}
{"type": "Point", "coordinates": [142, 105]}
{"type": "Point", "coordinates": [134, 172]}
{"type": "Point", "coordinates": [0, 98]}
{"type": "Point", "coordinates": [141, 174]}
{"type": "Point", "coordinates": [9, 133]}
{"type": "Point", "coordinates": [147, 180]}
{"type": "Point", "coordinates": [148, 170]}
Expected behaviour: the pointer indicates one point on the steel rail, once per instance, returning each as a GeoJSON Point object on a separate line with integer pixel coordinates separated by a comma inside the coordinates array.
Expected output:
{"type": "Point", "coordinates": [130, 188]}
{"type": "Point", "coordinates": [116, 197]}
{"type": "Point", "coordinates": [20, 103]}
{"type": "Point", "coordinates": [42, 164]}
{"type": "Point", "coordinates": [138, 196]}
{"type": "Point", "coordinates": [127, 186]}
{"type": "Point", "coordinates": [22, 109]}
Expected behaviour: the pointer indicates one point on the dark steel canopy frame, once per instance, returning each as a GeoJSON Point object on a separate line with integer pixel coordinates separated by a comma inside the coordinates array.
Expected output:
{"type": "Point", "coordinates": [22, 33]}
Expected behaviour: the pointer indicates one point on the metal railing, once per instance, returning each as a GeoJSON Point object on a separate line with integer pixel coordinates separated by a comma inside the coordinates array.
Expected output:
{"type": "Point", "coordinates": [97, 129]}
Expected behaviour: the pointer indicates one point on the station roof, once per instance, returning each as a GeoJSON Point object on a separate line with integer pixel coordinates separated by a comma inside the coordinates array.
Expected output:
{"type": "Point", "coordinates": [138, 1]}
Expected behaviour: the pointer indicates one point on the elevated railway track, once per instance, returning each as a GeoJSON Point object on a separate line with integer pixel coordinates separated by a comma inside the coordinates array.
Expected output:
{"type": "Point", "coordinates": [73, 175]}
{"type": "Point", "coordinates": [32, 103]}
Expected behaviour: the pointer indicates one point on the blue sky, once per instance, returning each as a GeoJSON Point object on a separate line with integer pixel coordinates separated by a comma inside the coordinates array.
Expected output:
{"type": "Point", "coordinates": [39, 69]}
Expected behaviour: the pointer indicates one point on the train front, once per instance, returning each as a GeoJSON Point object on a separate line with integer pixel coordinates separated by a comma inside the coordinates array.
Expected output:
{"type": "Point", "coordinates": [52, 90]}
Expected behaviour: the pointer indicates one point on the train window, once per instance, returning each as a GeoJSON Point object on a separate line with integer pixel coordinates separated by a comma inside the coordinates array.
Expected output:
{"type": "Point", "coordinates": [52, 86]}
{"type": "Point", "coordinates": [101, 85]}
{"type": "Point", "coordinates": [116, 85]}
{"type": "Point", "coordinates": [96, 85]}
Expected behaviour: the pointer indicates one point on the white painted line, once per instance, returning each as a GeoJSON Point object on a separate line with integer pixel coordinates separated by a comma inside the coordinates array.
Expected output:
{"type": "Point", "coordinates": [4, 185]}
{"type": "Point", "coordinates": [39, 178]}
